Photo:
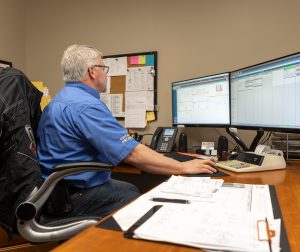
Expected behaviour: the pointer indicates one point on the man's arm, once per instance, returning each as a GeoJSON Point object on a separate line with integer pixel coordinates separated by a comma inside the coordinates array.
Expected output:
{"type": "Point", "coordinates": [152, 162]}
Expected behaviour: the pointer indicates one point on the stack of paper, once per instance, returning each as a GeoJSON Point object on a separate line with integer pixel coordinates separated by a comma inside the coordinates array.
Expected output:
{"type": "Point", "coordinates": [192, 186]}
{"type": "Point", "coordinates": [238, 217]}
{"type": "Point", "coordinates": [209, 228]}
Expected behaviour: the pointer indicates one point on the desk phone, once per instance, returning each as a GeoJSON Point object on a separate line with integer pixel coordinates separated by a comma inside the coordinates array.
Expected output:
{"type": "Point", "coordinates": [163, 139]}
{"type": "Point", "coordinates": [250, 162]}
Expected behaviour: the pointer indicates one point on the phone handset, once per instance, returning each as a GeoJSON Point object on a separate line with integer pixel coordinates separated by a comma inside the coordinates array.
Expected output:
{"type": "Point", "coordinates": [163, 139]}
{"type": "Point", "coordinates": [155, 138]}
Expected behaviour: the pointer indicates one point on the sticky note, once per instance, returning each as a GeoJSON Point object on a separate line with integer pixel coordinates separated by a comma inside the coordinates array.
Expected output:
{"type": "Point", "coordinates": [142, 59]}
{"type": "Point", "coordinates": [150, 60]}
{"type": "Point", "coordinates": [134, 60]}
{"type": "Point", "coordinates": [150, 116]}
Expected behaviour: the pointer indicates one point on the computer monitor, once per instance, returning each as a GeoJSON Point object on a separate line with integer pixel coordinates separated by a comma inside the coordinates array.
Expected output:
{"type": "Point", "coordinates": [267, 95]}
{"type": "Point", "coordinates": [202, 101]}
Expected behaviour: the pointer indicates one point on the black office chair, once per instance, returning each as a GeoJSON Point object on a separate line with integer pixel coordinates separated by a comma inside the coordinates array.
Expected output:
{"type": "Point", "coordinates": [23, 193]}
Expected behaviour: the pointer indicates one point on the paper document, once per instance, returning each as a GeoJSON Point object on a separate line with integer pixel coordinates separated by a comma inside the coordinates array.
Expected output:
{"type": "Point", "coordinates": [193, 186]}
{"type": "Point", "coordinates": [117, 66]}
{"type": "Point", "coordinates": [207, 228]}
{"type": "Point", "coordinates": [135, 119]}
{"type": "Point", "coordinates": [135, 110]}
{"type": "Point", "coordinates": [139, 79]}
{"type": "Point", "coordinates": [106, 98]}
{"type": "Point", "coordinates": [149, 100]}
{"type": "Point", "coordinates": [261, 200]}
{"type": "Point", "coordinates": [242, 198]}
{"type": "Point", "coordinates": [114, 103]}
{"type": "Point", "coordinates": [108, 84]}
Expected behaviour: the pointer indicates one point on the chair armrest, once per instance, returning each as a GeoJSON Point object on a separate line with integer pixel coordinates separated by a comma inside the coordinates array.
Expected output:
{"type": "Point", "coordinates": [26, 212]}
{"type": "Point", "coordinates": [39, 197]}
{"type": "Point", "coordinates": [82, 165]}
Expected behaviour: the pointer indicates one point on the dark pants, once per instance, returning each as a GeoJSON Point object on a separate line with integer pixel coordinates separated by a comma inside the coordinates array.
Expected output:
{"type": "Point", "coordinates": [104, 199]}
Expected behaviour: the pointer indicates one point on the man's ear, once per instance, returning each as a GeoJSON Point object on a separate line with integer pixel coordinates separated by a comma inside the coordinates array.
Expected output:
{"type": "Point", "coordinates": [91, 73]}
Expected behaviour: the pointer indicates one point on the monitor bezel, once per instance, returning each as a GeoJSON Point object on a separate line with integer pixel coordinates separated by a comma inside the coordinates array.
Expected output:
{"type": "Point", "coordinates": [221, 125]}
{"type": "Point", "coordinates": [264, 128]}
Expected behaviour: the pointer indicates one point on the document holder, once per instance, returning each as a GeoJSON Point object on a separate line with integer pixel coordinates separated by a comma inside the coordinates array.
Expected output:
{"type": "Point", "coordinates": [269, 233]}
{"type": "Point", "coordinates": [263, 234]}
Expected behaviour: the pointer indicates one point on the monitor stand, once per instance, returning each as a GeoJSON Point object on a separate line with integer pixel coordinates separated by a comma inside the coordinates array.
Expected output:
{"type": "Point", "coordinates": [239, 141]}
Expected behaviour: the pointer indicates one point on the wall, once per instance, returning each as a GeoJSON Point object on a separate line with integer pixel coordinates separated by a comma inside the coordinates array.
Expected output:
{"type": "Point", "coordinates": [12, 39]}
{"type": "Point", "coordinates": [193, 38]}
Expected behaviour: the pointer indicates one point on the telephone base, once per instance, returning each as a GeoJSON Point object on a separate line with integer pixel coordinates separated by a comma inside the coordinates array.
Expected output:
{"type": "Point", "coordinates": [269, 162]}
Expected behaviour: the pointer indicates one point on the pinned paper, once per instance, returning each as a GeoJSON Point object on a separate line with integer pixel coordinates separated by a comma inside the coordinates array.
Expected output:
{"type": "Point", "coordinates": [108, 84]}
{"type": "Point", "coordinates": [135, 110]}
{"type": "Point", "coordinates": [117, 66]}
{"type": "Point", "coordinates": [134, 60]}
{"type": "Point", "coordinates": [150, 60]}
{"type": "Point", "coordinates": [114, 103]}
{"type": "Point", "coordinates": [139, 78]}
{"type": "Point", "coordinates": [150, 116]}
{"type": "Point", "coordinates": [38, 84]}
{"type": "Point", "coordinates": [46, 98]}
{"type": "Point", "coordinates": [142, 59]}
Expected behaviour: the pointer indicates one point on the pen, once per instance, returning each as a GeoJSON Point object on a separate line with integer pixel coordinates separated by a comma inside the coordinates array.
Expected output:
{"type": "Point", "coordinates": [180, 201]}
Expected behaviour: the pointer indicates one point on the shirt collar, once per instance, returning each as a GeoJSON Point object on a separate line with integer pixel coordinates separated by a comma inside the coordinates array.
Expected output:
{"type": "Point", "coordinates": [84, 87]}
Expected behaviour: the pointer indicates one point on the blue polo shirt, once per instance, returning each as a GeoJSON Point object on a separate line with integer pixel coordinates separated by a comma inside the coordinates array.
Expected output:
{"type": "Point", "coordinates": [77, 126]}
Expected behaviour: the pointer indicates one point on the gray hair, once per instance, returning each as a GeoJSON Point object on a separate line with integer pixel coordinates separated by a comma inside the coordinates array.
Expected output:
{"type": "Point", "coordinates": [76, 61]}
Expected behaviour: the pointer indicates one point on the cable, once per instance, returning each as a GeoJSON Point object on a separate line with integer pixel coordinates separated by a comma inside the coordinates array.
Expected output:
{"type": "Point", "coordinates": [148, 134]}
{"type": "Point", "coordinates": [268, 137]}
{"type": "Point", "coordinates": [264, 138]}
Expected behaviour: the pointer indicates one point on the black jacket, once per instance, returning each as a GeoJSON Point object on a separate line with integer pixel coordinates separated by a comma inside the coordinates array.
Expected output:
{"type": "Point", "coordinates": [19, 116]}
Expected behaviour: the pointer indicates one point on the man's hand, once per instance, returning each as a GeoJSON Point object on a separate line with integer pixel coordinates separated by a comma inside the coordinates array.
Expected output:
{"type": "Point", "coordinates": [152, 162]}
{"type": "Point", "coordinates": [199, 166]}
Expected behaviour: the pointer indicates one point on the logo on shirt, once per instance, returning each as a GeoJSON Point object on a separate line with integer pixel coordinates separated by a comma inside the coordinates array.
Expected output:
{"type": "Point", "coordinates": [125, 138]}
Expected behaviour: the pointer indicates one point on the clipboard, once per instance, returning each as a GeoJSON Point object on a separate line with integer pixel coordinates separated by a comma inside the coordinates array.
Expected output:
{"type": "Point", "coordinates": [264, 234]}
{"type": "Point", "coordinates": [111, 223]}
{"type": "Point", "coordinates": [284, 243]}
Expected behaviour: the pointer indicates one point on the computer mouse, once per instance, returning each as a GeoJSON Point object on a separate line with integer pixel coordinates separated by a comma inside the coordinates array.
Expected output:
{"type": "Point", "coordinates": [216, 170]}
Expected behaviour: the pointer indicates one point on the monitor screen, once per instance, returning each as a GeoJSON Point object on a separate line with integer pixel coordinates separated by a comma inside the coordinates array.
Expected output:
{"type": "Point", "coordinates": [202, 101]}
{"type": "Point", "coordinates": [267, 95]}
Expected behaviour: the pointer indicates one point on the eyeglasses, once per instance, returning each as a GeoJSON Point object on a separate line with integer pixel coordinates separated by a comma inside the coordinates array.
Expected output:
{"type": "Point", "coordinates": [105, 68]}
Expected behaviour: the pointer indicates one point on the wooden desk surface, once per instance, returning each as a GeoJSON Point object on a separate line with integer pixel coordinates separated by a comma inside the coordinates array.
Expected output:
{"type": "Point", "coordinates": [287, 184]}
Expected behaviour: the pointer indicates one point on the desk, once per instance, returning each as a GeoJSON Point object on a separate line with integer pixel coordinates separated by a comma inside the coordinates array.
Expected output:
{"type": "Point", "coordinates": [287, 184]}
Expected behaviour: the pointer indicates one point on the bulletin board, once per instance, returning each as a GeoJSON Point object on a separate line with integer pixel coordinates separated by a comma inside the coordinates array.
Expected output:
{"type": "Point", "coordinates": [131, 92]}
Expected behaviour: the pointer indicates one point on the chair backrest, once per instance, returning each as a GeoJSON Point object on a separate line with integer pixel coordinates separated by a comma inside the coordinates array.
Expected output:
{"type": "Point", "coordinates": [19, 116]}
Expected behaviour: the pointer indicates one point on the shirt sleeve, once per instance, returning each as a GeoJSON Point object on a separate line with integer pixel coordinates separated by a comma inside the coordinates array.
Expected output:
{"type": "Point", "coordinates": [105, 134]}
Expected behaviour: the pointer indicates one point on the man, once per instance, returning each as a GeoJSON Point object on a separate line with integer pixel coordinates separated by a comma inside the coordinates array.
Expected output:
{"type": "Point", "coordinates": [76, 126]}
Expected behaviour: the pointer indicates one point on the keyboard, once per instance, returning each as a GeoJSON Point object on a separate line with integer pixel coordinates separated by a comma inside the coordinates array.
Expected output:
{"type": "Point", "coordinates": [179, 157]}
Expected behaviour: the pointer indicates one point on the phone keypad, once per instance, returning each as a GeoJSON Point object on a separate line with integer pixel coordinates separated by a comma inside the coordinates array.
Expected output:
{"type": "Point", "coordinates": [164, 146]}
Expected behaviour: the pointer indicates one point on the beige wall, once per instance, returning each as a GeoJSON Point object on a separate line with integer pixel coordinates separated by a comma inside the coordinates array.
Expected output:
{"type": "Point", "coordinates": [12, 38]}
{"type": "Point", "coordinates": [192, 37]}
